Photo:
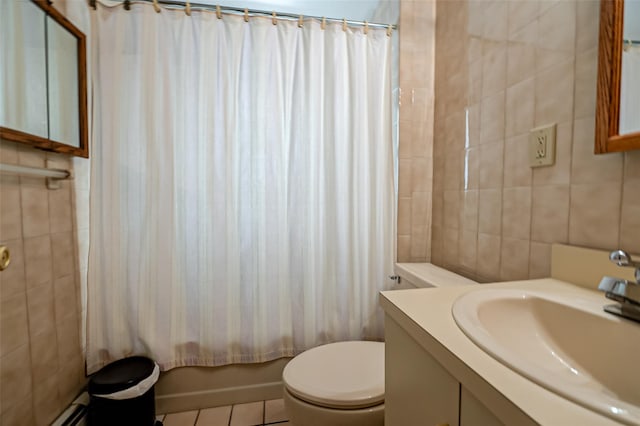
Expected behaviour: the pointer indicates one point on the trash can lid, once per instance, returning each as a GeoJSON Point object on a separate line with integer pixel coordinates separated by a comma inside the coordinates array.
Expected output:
{"type": "Point", "coordinates": [120, 375]}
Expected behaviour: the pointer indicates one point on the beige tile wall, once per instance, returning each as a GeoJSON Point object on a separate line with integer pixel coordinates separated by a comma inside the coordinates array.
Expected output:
{"type": "Point", "coordinates": [502, 68]}
{"type": "Point", "coordinates": [41, 363]}
{"type": "Point", "coordinates": [417, 29]}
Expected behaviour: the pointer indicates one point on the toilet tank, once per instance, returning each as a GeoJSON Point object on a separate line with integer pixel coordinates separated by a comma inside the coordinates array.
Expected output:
{"type": "Point", "coordinates": [421, 275]}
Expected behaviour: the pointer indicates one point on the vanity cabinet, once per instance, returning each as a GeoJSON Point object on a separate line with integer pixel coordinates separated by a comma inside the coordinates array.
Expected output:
{"type": "Point", "coordinates": [435, 374]}
{"type": "Point", "coordinates": [473, 412]}
{"type": "Point", "coordinates": [419, 391]}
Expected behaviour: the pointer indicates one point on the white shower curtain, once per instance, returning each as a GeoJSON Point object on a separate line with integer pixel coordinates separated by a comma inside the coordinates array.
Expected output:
{"type": "Point", "coordinates": [242, 204]}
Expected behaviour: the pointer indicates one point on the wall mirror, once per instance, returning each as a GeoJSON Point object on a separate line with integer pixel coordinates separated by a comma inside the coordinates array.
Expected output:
{"type": "Point", "coordinates": [42, 78]}
{"type": "Point", "coordinates": [618, 100]}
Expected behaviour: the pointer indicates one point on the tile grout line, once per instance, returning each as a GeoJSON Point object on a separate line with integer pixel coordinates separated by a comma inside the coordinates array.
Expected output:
{"type": "Point", "coordinates": [263, 421]}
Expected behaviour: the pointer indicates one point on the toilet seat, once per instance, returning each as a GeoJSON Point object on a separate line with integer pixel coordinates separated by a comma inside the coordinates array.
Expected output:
{"type": "Point", "coordinates": [344, 375]}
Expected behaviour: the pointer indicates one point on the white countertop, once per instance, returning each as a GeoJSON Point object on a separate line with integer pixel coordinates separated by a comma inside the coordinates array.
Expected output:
{"type": "Point", "coordinates": [425, 314]}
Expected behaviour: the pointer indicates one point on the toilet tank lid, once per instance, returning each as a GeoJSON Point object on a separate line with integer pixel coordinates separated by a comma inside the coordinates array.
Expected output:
{"type": "Point", "coordinates": [430, 275]}
{"type": "Point", "coordinates": [338, 375]}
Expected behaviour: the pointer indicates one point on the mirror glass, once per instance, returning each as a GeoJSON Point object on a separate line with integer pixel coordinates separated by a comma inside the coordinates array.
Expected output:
{"type": "Point", "coordinates": [62, 67]}
{"type": "Point", "coordinates": [23, 80]}
{"type": "Point", "coordinates": [630, 79]}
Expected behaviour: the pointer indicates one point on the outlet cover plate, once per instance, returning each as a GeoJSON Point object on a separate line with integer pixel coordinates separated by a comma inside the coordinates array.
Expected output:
{"type": "Point", "coordinates": [542, 146]}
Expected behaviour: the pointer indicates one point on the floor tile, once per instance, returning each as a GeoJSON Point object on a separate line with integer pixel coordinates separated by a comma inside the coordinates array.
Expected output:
{"type": "Point", "coordinates": [218, 416]}
{"type": "Point", "coordinates": [186, 418]}
{"type": "Point", "coordinates": [249, 414]}
{"type": "Point", "coordinates": [274, 411]}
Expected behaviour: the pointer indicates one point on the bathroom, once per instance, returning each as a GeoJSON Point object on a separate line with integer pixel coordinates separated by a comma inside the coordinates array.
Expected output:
{"type": "Point", "coordinates": [474, 77]}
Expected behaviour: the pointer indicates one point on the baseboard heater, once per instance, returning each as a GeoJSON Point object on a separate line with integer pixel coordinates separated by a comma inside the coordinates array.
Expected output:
{"type": "Point", "coordinates": [76, 412]}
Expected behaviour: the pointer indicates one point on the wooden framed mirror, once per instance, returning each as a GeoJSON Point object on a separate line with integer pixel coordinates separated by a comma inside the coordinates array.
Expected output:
{"type": "Point", "coordinates": [617, 108]}
{"type": "Point", "coordinates": [43, 78]}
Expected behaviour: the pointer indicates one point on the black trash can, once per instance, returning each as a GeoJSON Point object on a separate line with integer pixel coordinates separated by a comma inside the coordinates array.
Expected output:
{"type": "Point", "coordinates": [122, 393]}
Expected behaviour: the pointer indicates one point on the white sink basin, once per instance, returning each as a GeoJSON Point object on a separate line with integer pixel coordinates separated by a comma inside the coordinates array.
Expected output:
{"type": "Point", "coordinates": [567, 345]}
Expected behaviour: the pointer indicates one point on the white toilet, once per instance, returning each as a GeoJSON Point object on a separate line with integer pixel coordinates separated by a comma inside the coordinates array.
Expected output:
{"type": "Point", "coordinates": [336, 384]}
{"type": "Point", "coordinates": [342, 384]}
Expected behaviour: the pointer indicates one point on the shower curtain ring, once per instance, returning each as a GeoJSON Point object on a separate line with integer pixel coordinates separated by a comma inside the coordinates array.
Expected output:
{"type": "Point", "coordinates": [366, 27]}
{"type": "Point", "coordinates": [274, 19]}
{"type": "Point", "coordinates": [127, 4]}
{"type": "Point", "coordinates": [323, 25]}
{"type": "Point", "coordinates": [300, 21]}
{"type": "Point", "coordinates": [344, 24]}
{"type": "Point", "coordinates": [187, 8]}
{"type": "Point", "coordinates": [156, 6]}
{"type": "Point", "coordinates": [218, 11]}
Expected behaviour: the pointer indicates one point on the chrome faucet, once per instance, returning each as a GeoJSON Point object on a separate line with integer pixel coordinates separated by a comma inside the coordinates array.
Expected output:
{"type": "Point", "coordinates": [625, 292]}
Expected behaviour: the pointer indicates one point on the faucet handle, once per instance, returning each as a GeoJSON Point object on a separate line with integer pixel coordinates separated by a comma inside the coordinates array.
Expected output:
{"type": "Point", "coordinates": [622, 258]}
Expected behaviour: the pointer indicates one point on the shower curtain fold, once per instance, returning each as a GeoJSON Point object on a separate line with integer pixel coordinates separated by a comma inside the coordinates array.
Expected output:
{"type": "Point", "coordinates": [242, 194]}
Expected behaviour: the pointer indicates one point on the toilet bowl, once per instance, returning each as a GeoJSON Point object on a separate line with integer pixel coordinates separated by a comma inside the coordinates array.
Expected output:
{"type": "Point", "coordinates": [342, 384]}
{"type": "Point", "coordinates": [336, 384]}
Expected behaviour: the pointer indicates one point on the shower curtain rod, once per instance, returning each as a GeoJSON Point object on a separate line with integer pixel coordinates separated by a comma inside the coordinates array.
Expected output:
{"type": "Point", "coordinates": [252, 12]}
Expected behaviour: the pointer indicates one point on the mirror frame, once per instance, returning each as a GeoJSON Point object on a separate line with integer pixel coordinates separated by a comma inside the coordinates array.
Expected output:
{"type": "Point", "coordinates": [609, 79]}
{"type": "Point", "coordinates": [46, 143]}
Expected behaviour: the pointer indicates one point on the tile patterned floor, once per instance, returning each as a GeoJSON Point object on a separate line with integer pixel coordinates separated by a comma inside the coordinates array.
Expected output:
{"type": "Point", "coordinates": [251, 414]}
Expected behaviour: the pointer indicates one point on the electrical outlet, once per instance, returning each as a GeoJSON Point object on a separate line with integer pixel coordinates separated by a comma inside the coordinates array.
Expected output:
{"type": "Point", "coordinates": [542, 146]}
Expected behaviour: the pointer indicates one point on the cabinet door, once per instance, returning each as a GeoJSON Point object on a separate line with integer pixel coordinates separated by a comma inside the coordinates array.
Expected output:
{"type": "Point", "coordinates": [473, 413]}
{"type": "Point", "coordinates": [418, 391]}
{"type": "Point", "coordinates": [23, 79]}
